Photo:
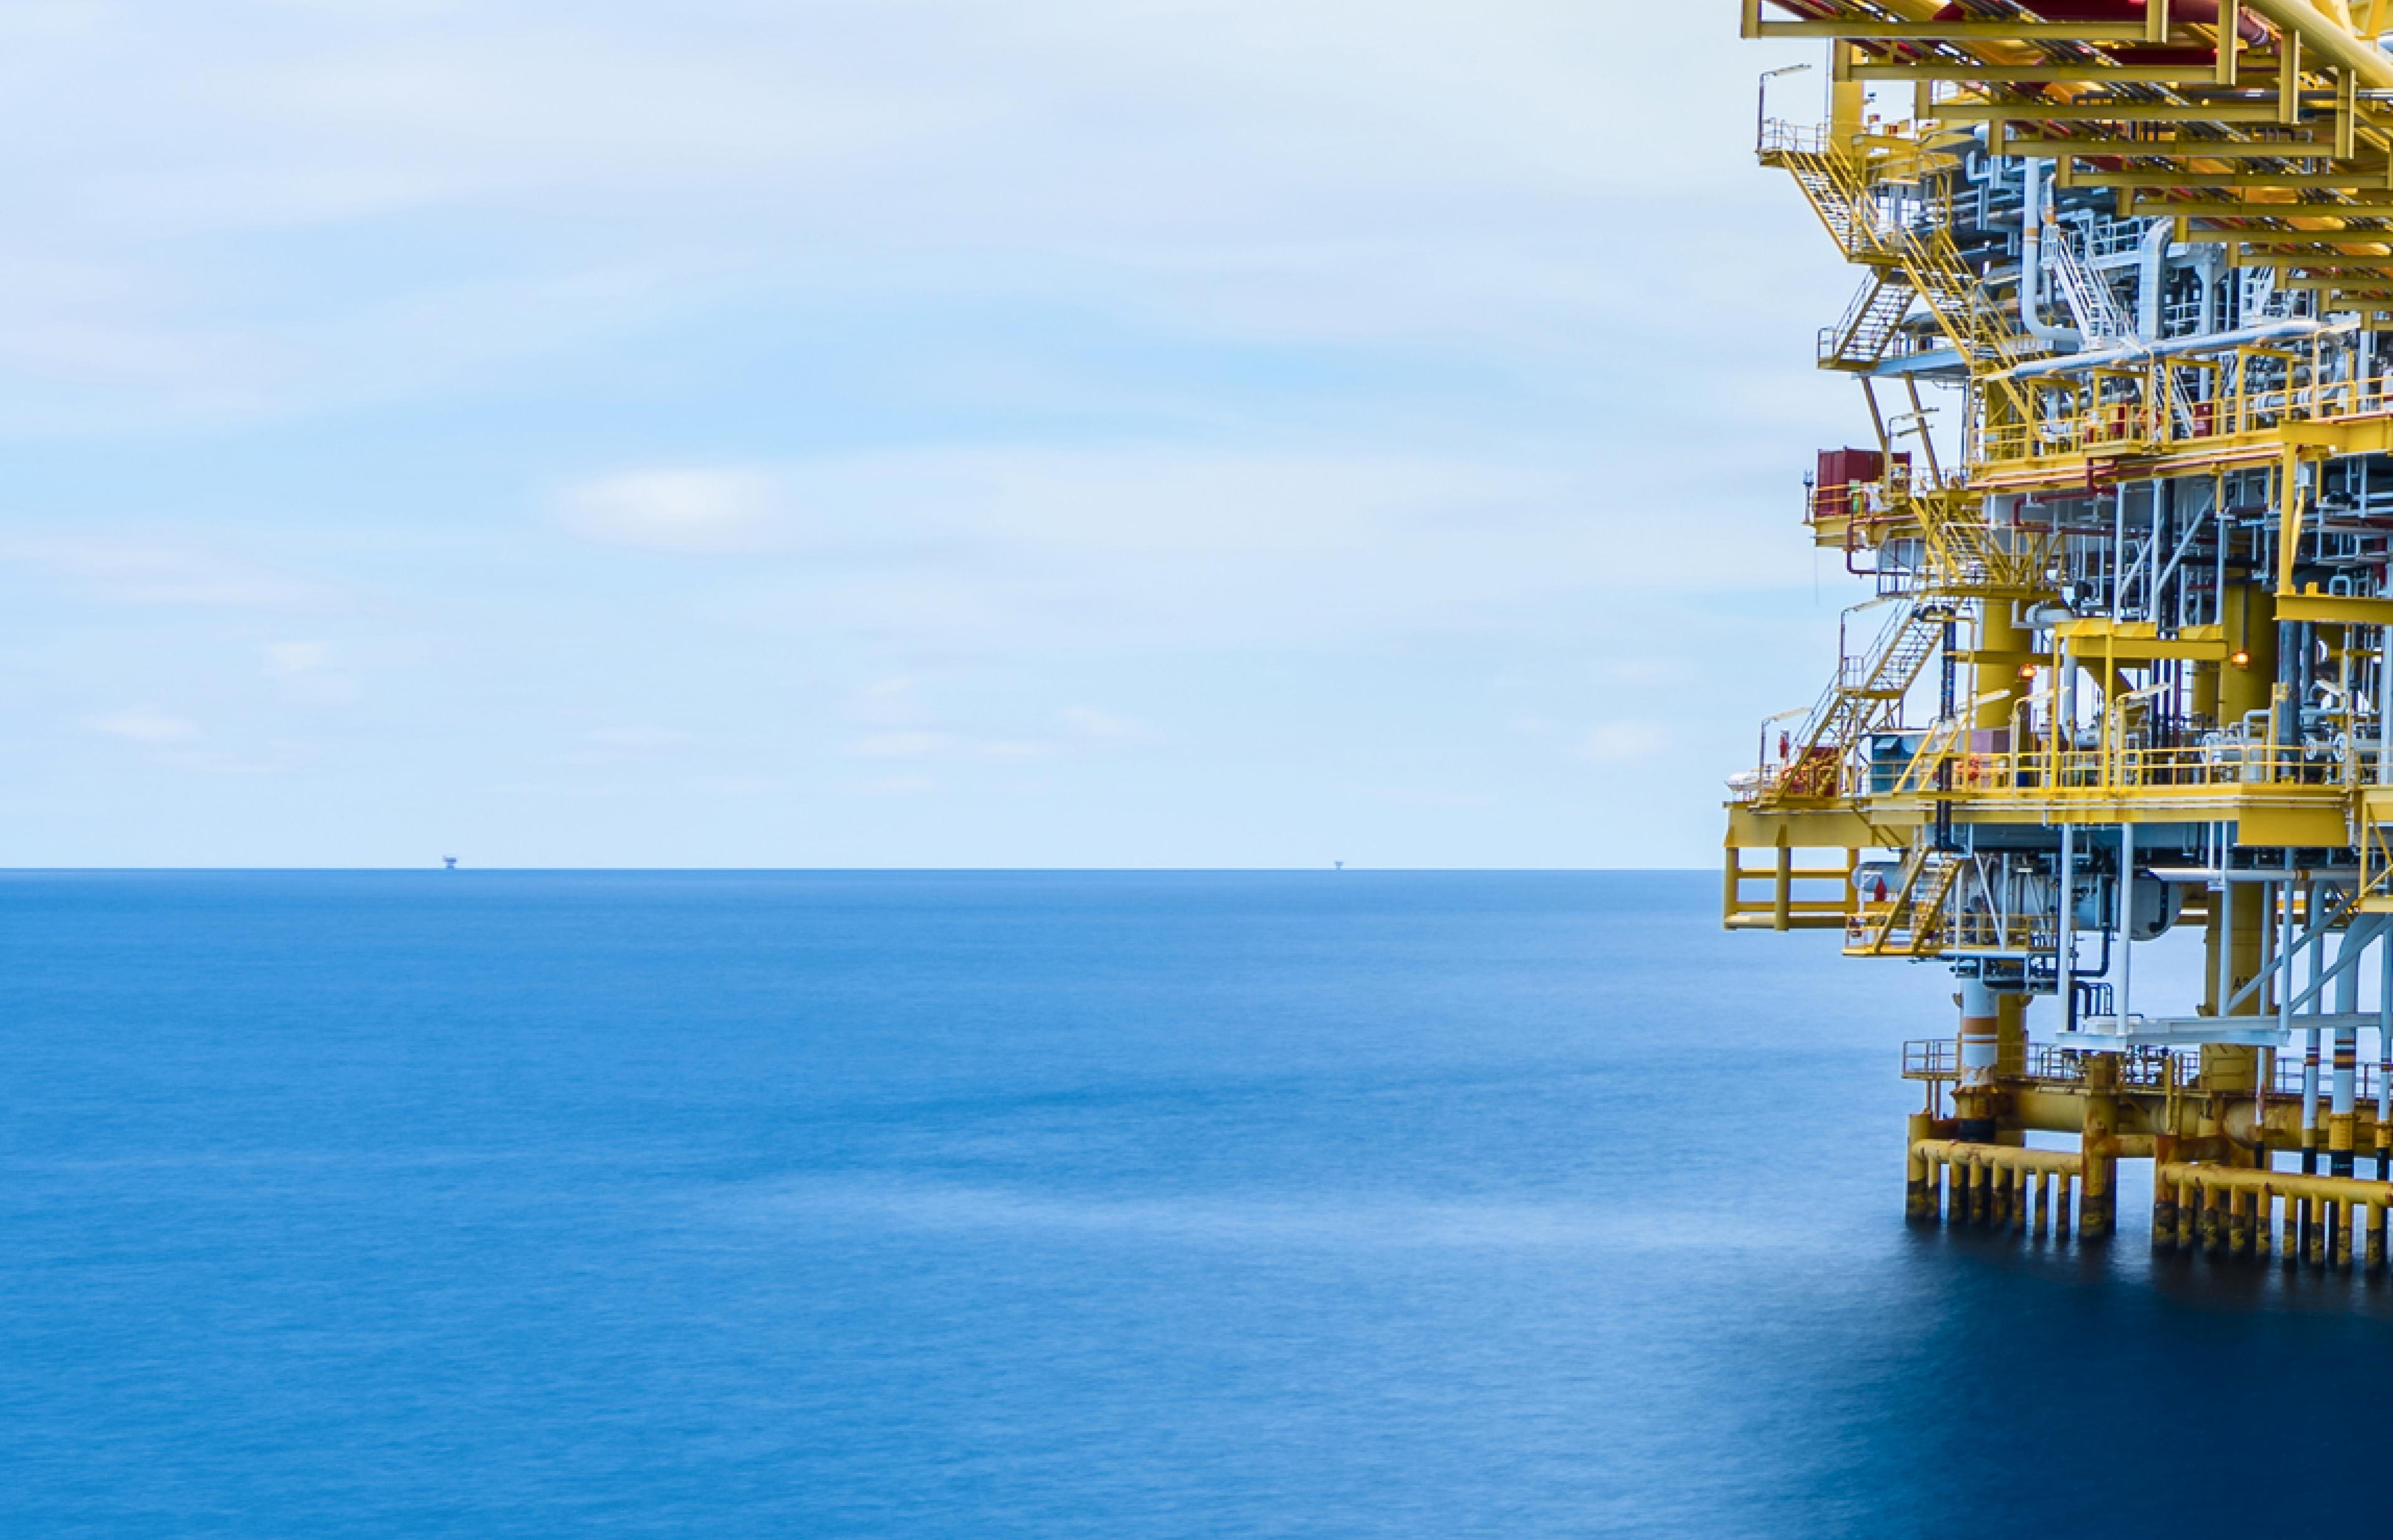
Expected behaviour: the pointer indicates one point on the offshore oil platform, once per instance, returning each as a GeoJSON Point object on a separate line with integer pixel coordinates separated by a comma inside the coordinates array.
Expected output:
{"type": "Point", "coordinates": [2126, 670]}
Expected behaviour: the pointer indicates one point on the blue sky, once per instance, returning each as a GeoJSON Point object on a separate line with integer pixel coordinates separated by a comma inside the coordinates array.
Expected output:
{"type": "Point", "coordinates": [898, 432]}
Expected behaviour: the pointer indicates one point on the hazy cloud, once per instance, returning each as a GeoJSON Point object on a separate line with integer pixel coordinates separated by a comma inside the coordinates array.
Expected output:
{"type": "Point", "coordinates": [690, 512]}
{"type": "Point", "coordinates": [139, 725]}
{"type": "Point", "coordinates": [1623, 742]}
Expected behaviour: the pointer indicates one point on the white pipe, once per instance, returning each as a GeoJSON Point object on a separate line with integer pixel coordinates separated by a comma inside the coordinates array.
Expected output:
{"type": "Point", "coordinates": [2064, 961]}
{"type": "Point", "coordinates": [1981, 1041]}
{"type": "Point", "coordinates": [2346, 1000]}
{"type": "Point", "coordinates": [2299, 328]}
{"type": "Point", "coordinates": [2126, 920]}
{"type": "Point", "coordinates": [2310, 1088]}
{"type": "Point", "coordinates": [2067, 692]}
{"type": "Point", "coordinates": [2224, 985]}
{"type": "Point", "coordinates": [2284, 949]}
{"type": "Point", "coordinates": [2385, 1035]}
{"type": "Point", "coordinates": [2031, 283]}
{"type": "Point", "coordinates": [2385, 715]}
{"type": "Point", "coordinates": [2344, 974]}
{"type": "Point", "coordinates": [2311, 1037]}
{"type": "Point", "coordinates": [2149, 275]}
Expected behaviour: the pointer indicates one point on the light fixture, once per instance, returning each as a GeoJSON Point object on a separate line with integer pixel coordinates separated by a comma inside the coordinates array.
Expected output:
{"type": "Point", "coordinates": [2241, 658]}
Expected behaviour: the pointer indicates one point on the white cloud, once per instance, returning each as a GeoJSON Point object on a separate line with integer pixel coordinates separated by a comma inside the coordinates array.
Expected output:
{"type": "Point", "coordinates": [140, 724]}
{"type": "Point", "coordinates": [934, 505]}
{"type": "Point", "coordinates": [737, 786]}
{"type": "Point", "coordinates": [683, 511]}
{"type": "Point", "coordinates": [1249, 365]}
{"type": "Point", "coordinates": [637, 735]}
{"type": "Point", "coordinates": [307, 674]}
{"type": "Point", "coordinates": [923, 743]}
{"type": "Point", "coordinates": [1646, 671]}
{"type": "Point", "coordinates": [141, 569]}
{"type": "Point", "coordinates": [899, 745]}
{"type": "Point", "coordinates": [286, 659]}
{"type": "Point", "coordinates": [1107, 727]}
{"type": "Point", "coordinates": [624, 742]}
{"type": "Point", "coordinates": [1623, 742]}
{"type": "Point", "coordinates": [1224, 166]}
{"type": "Point", "coordinates": [1416, 797]}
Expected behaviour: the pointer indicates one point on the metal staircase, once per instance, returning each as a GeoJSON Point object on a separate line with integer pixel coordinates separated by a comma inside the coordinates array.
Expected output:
{"type": "Point", "coordinates": [2091, 304]}
{"type": "Point", "coordinates": [1837, 185]}
{"type": "Point", "coordinates": [1969, 558]}
{"type": "Point", "coordinates": [1869, 325]}
{"type": "Point", "coordinates": [1841, 200]}
{"type": "Point", "coordinates": [1868, 691]}
{"type": "Point", "coordinates": [1945, 741]}
{"type": "Point", "coordinates": [1909, 919]}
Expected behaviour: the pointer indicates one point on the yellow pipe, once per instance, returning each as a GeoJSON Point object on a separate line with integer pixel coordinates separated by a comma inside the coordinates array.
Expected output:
{"type": "Point", "coordinates": [2331, 39]}
{"type": "Point", "coordinates": [2005, 1157]}
{"type": "Point", "coordinates": [2291, 1185]}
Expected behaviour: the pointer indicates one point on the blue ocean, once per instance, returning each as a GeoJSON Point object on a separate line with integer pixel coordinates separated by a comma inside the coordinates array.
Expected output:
{"type": "Point", "coordinates": [1058, 1205]}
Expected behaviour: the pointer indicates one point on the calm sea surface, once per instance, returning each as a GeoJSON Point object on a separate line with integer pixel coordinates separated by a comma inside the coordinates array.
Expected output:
{"type": "Point", "coordinates": [494, 1204]}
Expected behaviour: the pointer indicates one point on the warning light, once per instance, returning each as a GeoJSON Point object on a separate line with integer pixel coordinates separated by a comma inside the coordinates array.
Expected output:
{"type": "Point", "coordinates": [2241, 658]}
{"type": "Point", "coordinates": [2027, 673]}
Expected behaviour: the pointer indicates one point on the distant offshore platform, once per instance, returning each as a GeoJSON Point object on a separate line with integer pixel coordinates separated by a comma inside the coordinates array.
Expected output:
{"type": "Point", "coordinates": [2126, 670]}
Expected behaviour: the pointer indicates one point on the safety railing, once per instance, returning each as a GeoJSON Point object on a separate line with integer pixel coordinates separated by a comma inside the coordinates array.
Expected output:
{"type": "Point", "coordinates": [1931, 1059]}
{"type": "Point", "coordinates": [2224, 764]}
{"type": "Point", "coordinates": [2035, 771]}
{"type": "Point", "coordinates": [2141, 1067]}
{"type": "Point", "coordinates": [2287, 1080]}
{"type": "Point", "coordinates": [1781, 137]}
{"type": "Point", "coordinates": [1984, 931]}
{"type": "Point", "coordinates": [2148, 406]}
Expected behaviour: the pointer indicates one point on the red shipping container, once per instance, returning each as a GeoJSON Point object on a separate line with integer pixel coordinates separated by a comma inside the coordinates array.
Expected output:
{"type": "Point", "coordinates": [1840, 473]}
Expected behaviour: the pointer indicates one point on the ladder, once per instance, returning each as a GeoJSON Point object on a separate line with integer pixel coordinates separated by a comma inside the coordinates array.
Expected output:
{"type": "Point", "coordinates": [1968, 556]}
{"type": "Point", "coordinates": [1909, 921]}
{"type": "Point", "coordinates": [2091, 304]}
{"type": "Point", "coordinates": [1837, 186]}
{"type": "Point", "coordinates": [1868, 691]}
{"type": "Point", "coordinates": [1858, 341]}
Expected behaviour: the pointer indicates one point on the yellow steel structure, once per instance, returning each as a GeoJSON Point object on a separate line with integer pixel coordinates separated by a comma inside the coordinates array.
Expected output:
{"type": "Point", "coordinates": [2127, 667]}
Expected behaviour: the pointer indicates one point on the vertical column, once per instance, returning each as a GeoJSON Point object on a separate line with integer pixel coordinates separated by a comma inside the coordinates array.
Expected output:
{"type": "Point", "coordinates": [2096, 1214]}
{"type": "Point", "coordinates": [2340, 1117]}
{"type": "Point", "coordinates": [1848, 97]}
{"type": "Point", "coordinates": [1973, 1094]}
{"type": "Point", "coordinates": [2385, 1057]}
{"type": "Point", "coordinates": [1917, 1206]}
{"type": "Point", "coordinates": [2065, 951]}
{"type": "Point", "coordinates": [2163, 1193]}
{"type": "Point", "coordinates": [2289, 951]}
{"type": "Point", "coordinates": [2010, 1049]}
{"type": "Point", "coordinates": [2126, 918]}
{"type": "Point", "coordinates": [2233, 690]}
{"type": "Point", "coordinates": [2235, 939]}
